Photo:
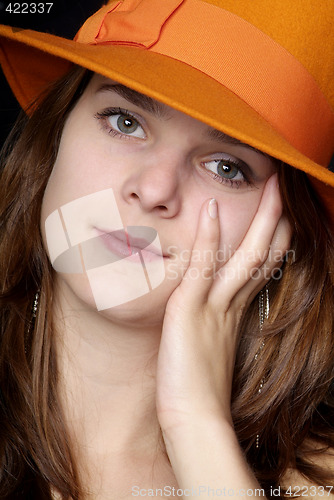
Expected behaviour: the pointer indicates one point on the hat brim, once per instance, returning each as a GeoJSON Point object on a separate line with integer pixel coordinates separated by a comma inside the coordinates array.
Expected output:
{"type": "Point", "coordinates": [31, 60]}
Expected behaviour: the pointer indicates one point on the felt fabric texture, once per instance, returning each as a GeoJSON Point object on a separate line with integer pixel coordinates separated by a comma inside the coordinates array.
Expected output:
{"type": "Point", "coordinates": [303, 30]}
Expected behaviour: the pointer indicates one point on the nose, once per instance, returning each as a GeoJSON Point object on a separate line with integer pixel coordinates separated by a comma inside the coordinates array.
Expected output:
{"type": "Point", "coordinates": [155, 183]}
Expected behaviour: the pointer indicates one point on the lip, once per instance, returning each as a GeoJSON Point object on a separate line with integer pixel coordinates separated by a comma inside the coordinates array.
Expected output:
{"type": "Point", "coordinates": [134, 249]}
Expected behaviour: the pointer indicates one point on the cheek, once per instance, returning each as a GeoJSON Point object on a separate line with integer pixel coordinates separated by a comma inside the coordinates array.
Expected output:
{"type": "Point", "coordinates": [74, 175]}
{"type": "Point", "coordinates": [77, 197]}
{"type": "Point", "coordinates": [235, 217]}
{"type": "Point", "coordinates": [82, 185]}
{"type": "Point", "coordinates": [83, 164]}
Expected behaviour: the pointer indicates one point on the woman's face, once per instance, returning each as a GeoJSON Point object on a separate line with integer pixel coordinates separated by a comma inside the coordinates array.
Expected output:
{"type": "Point", "coordinates": [121, 208]}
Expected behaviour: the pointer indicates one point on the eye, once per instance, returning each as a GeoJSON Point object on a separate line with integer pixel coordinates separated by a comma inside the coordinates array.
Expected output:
{"type": "Point", "coordinates": [121, 123]}
{"type": "Point", "coordinates": [225, 168]}
{"type": "Point", "coordinates": [126, 124]}
{"type": "Point", "coordinates": [230, 171]}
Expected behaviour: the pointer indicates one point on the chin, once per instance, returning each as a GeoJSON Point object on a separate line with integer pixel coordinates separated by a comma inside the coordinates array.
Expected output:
{"type": "Point", "coordinates": [145, 311]}
{"type": "Point", "coordinates": [148, 307]}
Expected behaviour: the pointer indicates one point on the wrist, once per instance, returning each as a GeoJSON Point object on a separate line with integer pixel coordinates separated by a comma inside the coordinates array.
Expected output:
{"type": "Point", "coordinates": [206, 428]}
{"type": "Point", "coordinates": [208, 450]}
{"type": "Point", "coordinates": [175, 421]}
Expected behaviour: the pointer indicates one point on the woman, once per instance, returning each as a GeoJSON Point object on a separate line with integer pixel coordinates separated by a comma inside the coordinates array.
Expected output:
{"type": "Point", "coordinates": [166, 279]}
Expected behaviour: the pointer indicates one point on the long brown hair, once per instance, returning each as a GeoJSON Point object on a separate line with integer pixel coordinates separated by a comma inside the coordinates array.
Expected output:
{"type": "Point", "coordinates": [35, 452]}
{"type": "Point", "coordinates": [291, 360]}
{"type": "Point", "coordinates": [295, 365]}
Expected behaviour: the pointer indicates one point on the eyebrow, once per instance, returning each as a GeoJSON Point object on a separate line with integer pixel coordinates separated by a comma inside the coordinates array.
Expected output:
{"type": "Point", "coordinates": [148, 104]}
{"type": "Point", "coordinates": [161, 111]}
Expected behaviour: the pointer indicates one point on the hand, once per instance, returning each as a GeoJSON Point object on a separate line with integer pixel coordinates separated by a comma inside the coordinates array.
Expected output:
{"type": "Point", "coordinates": [200, 330]}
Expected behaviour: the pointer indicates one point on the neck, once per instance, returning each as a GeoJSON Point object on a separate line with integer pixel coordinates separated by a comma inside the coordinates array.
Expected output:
{"type": "Point", "coordinates": [107, 379]}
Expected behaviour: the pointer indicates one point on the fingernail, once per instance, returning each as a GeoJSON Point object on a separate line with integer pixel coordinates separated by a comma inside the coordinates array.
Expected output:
{"type": "Point", "coordinates": [213, 208]}
{"type": "Point", "coordinates": [274, 179]}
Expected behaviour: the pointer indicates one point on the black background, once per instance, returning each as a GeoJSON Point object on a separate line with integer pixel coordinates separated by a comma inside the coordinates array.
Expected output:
{"type": "Point", "coordinates": [64, 19]}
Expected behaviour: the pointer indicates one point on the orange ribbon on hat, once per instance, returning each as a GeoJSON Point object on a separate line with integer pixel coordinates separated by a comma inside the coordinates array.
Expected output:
{"type": "Point", "coordinates": [130, 22]}
{"type": "Point", "coordinates": [233, 52]}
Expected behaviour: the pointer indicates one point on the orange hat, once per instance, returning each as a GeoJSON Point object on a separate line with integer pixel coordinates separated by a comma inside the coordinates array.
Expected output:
{"type": "Point", "coordinates": [259, 70]}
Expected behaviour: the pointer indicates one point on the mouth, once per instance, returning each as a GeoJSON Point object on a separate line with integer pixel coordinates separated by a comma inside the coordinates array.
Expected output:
{"type": "Point", "coordinates": [133, 243]}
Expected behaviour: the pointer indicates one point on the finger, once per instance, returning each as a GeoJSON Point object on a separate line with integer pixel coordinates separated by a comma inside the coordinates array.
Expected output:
{"type": "Point", "coordinates": [271, 268]}
{"type": "Point", "coordinates": [254, 249]}
{"type": "Point", "coordinates": [199, 276]}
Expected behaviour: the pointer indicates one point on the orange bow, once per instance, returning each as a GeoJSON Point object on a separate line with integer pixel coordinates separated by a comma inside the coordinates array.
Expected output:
{"type": "Point", "coordinates": [131, 22]}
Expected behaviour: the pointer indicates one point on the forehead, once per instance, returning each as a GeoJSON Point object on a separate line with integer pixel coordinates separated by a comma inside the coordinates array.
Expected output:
{"type": "Point", "coordinates": [101, 84]}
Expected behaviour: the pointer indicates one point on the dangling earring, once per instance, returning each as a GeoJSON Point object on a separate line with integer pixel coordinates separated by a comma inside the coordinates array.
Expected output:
{"type": "Point", "coordinates": [34, 311]}
{"type": "Point", "coordinates": [35, 306]}
{"type": "Point", "coordinates": [264, 307]}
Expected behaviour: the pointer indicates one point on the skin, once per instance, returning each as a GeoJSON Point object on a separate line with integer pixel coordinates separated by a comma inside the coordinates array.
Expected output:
{"type": "Point", "coordinates": [166, 193]}
{"type": "Point", "coordinates": [165, 360]}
